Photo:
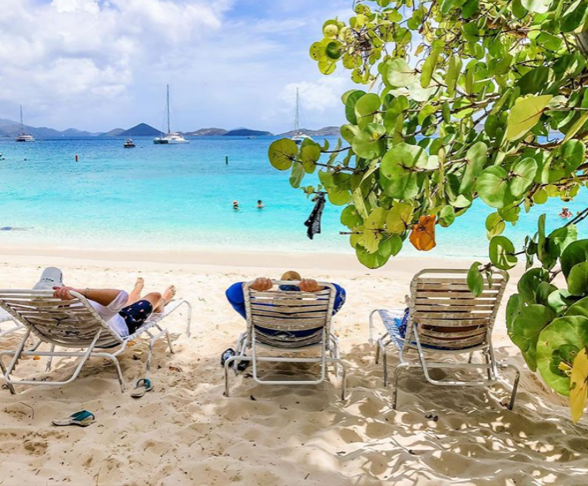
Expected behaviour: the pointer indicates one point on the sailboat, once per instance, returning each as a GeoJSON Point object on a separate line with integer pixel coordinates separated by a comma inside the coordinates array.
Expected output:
{"type": "Point", "coordinates": [298, 135]}
{"type": "Point", "coordinates": [24, 136]}
{"type": "Point", "coordinates": [171, 138]}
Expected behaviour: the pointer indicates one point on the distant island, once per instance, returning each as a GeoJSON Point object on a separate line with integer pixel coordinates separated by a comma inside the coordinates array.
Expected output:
{"type": "Point", "coordinates": [10, 129]}
{"type": "Point", "coordinates": [323, 132]}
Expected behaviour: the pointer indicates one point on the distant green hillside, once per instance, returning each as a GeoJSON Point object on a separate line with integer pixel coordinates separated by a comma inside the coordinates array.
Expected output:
{"type": "Point", "coordinates": [245, 132]}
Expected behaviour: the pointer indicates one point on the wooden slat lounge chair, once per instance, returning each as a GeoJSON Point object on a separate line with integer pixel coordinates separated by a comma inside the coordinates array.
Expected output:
{"type": "Point", "coordinates": [273, 316]}
{"type": "Point", "coordinates": [445, 318]}
{"type": "Point", "coordinates": [73, 325]}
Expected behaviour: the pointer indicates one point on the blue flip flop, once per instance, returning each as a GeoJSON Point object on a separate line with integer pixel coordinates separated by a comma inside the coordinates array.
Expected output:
{"type": "Point", "coordinates": [143, 386]}
{"type": "Point", "coordinates": [81, 419]}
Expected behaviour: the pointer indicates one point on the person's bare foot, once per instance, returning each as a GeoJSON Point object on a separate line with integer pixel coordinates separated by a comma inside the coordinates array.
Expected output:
{"type": "Point", "coordinates": [139, 285]}
{"type": "Point", "coordinates": [169, 294]}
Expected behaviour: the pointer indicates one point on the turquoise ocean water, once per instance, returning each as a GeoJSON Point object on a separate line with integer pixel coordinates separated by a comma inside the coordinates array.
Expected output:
{"type": "Point", "coordinates": [180, 197]}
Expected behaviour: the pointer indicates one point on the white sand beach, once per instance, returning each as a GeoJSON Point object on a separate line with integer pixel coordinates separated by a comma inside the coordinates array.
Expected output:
{"type": "Point", "coordinates": [187, 432]}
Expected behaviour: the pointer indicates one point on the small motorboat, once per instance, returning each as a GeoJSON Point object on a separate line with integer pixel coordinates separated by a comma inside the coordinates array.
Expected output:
{"type": "Point", "coordinates": [129, 143]}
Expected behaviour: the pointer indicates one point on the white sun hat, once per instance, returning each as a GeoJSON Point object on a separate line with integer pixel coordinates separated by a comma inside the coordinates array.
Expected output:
{"type": "Point", "coordinates": [51, 277]}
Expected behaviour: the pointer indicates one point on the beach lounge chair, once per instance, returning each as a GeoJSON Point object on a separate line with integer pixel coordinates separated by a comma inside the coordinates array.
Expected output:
{"type": "Point", "coordinates": [285, 323]}
{"type": "Point", "coordinates": [7, 324]}
{"type": "Point", "coordinates": [73, 325]}
{"type": "Point", "coordinates": [445, 318]}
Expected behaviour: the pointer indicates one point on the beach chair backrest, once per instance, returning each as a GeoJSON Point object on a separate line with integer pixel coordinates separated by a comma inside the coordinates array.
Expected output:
{"type": "Point", "coordinates": [288, 318]}
{"type": "Point", "coordinates": [71, 323]}
{"type": "Point", "coordinates": [447, 314]}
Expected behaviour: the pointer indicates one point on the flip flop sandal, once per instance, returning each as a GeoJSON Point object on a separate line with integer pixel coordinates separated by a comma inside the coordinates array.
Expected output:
{"type": "Point", "coordinates": [81, 419]}
{"type": "Point", "coordinates": [143, 386]}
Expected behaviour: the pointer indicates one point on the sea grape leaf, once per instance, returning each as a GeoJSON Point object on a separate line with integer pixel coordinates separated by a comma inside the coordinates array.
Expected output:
{"type": "Point", "coordinates": [524, 172]}
{"type": "Point", "coordinates": [370, 143]}
{"type": "Point", "coordinates": [400, 74]}
{"type": "Point", "coordinates": [399, 218]}
{"type": "Point", "coordinates": [492, 186]}
{"type": "Point", "coordinates": [537, 6]}
{"type": "Point", "coordinates": [564, 337]}
{"type": "Point", "coordinates": [579, 385]}
{"type": "Point", "coordinates": [502, 253]}
{"type": "Point", "coordinates": [576, 252]}
{"type": "Point", "coordinates": [476, 158]}
{"type": "Point", "coordinates": [282, 153]}
{"type": "Point", "coordinates": [578, 279]}
{"type": "Point", "coordinates": [446, 216]}
{"type": "Point", "coordinates": [527, 327]}
{"type": "Point", "coordinates": [475, 279]}
{"type": "Point", "coordinates": [372, 233]}
{"type": "Point", "coordinates": [525, 114]}
{"type": "Point", "coordinates": [351, 218]}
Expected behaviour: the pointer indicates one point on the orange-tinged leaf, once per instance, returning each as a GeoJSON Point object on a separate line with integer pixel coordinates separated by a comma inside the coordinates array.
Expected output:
{"type": "Point", "coordinates": [422, 236]}
{"type": "Point", "coordinates": [578, 385]}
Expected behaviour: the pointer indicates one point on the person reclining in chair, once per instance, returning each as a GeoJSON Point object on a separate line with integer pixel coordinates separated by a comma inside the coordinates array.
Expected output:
{"type": "Point", "coordinates": [124, 312]}
{"type": "Point", "coordinates": [236, 297]}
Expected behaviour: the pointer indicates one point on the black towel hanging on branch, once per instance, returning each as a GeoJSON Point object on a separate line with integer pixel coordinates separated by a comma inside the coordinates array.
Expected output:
{"type": "Point", "coordinates": [314, 220]}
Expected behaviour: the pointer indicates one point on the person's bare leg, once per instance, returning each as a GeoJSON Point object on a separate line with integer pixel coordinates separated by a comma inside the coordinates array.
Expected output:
{"type": "Point", "coordinates": [135, 294]}
{"type": "Point", "coordinates": [159, 301]}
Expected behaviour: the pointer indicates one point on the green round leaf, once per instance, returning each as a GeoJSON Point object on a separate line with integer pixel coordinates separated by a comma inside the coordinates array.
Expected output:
{"type": "Point", "coordinates": [526, 328]}
{"type": "Point", "coordinates": [339, 197]}
{"type": "Point", "coordinates": [351, 218]}
{"type": "Point", "coordinates": [350, 103]}
{"type": "Point", "coordinates": [492, 186]}
{"type": "Point", "coordinates": [560, 340]}
{"type": "Point", "coordinates": [524, 172]}
{"type": "Point", "coordinates": [475, 279]}
{"type": "Point", "coordinates": [400, 74]}
{"type": "Point", "coordinates": [399, 218]}
{"type": "Point", "coordinates": [370, 142]}
{"type": "Point", "coordinates": [282, 153]}
{"type": "Point", "coordinates": [578, 279]}
{"type": "Point", "coordinates": [365, 109]}
{"type": "Point", "coordinates": [402, 157]}
{"type": "Point", "coordinates": [537, 6]}
{"type": "Point", "coordinates": [502, 253]}
{"type": "Point", "coordinates": [576, 252]}
{"type": "Point", "coordinates": [525, 114]}
{"type": "Point", "coordinates": [446, 216]}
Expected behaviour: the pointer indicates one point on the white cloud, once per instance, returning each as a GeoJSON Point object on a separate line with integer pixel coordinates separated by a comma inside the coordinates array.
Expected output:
{"type": "Point", "coordinates": [319, 96]}
{"type": "Point", "coordinates": [95, 64]}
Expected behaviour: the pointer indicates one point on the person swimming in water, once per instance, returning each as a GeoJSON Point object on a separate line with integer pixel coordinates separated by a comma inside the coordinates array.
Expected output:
{"type": "Point", "coordinates": [260, 204]}
{"type": "Point", "coordinates": [236, 205]}
{"type": "Point", "coordinates": [565, 213]}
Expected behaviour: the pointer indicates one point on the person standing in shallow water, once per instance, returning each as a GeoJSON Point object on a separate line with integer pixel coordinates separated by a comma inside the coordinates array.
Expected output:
{"type": "Point", "coordinates": [236, 205]}
{"type": "Point", "coordinates": [260, 204]}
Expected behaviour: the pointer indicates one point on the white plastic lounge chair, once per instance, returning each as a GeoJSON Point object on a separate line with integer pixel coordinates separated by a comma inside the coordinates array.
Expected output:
{"type": "Point", "coordinates": [445, 318]}
{"type": "Point", "coordinates": [75, 325]}
{"type": "Point", "coordinates": [272, 317]}
{"type": "Point", "coordinates": [5, 320]}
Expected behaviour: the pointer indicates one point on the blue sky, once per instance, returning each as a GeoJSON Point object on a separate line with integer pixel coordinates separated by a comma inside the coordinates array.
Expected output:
{"type": "Point", "coordinates": [100, 64]}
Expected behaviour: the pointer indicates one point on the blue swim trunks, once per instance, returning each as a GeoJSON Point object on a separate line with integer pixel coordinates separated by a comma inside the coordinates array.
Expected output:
{"type": "Point", "coordinates": [136, 314]}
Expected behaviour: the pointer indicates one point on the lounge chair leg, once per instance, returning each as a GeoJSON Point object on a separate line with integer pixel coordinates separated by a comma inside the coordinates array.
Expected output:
{"type": "Point", "coordinates": [169, 343]}
{"type": "Point", "coordinates": [119, 374]}
{"type": "Point", "coordinates": [515, 385]}
{"type": "Point", "coordinates": [470, 358]}
{"type": "Point", "coordinates": [397, 371]}
{"type": "Point", "coordinates": [488, 362]}
{"type": "Point", "coordinates": [344, 381]}
{"type": "Point", "coordinates": [10, 385]}
{"type": "Point", "coordinates": [227, 366]}
{"type": "Point", "coordinates": [49, 363]}
{"type": "Point", "coordinates": [188, 330]}
{"type": "Point", "coordinates": [385, 365]}
{"type": "Point", "coordinates": [377, 352]}
{"type": "Point", "coordinates": [150, 356]}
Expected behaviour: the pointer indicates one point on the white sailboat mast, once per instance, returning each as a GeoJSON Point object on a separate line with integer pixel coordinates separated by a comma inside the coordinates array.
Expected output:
{"type": "Point", "coordinates": [297, 117]}
{"type": "Point", "coordinates": [21, 121]}
{"type": "Point", "coordinates": [168, 121]}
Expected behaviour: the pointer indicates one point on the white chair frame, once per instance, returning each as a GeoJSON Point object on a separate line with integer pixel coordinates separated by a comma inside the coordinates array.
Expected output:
{"type": "Point", "coordinates": [248, 345]}
{"type": "Point", "coordinates": [412, 340]}
{"type": "Point", "coordinates": [37, 311]}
